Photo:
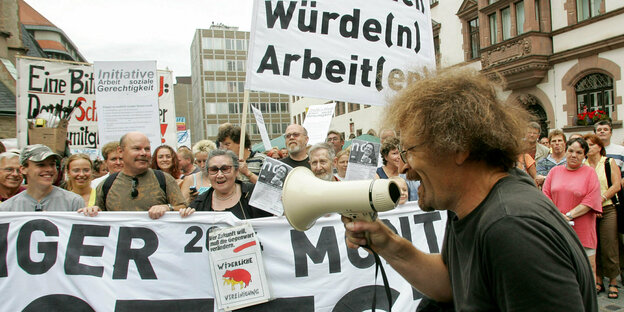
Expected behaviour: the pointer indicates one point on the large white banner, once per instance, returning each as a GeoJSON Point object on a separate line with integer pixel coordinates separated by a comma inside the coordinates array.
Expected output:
{"type": "Point", "coordinates": [348, 50]}
{"type": "Point", "coordinates": [41, 83]}
{"type": "Point", "coordinates": [125, 261]}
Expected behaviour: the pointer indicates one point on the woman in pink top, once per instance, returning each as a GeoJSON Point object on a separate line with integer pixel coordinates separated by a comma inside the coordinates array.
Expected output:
{"type": "Point", "coordinates": [575, 190]}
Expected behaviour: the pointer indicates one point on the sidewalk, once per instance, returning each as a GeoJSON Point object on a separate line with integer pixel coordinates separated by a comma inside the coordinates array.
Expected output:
{"type": "Point", "coordinates": [608, 305]}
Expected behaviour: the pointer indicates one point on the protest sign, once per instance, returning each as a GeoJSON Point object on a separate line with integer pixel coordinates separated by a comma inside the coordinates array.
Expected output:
{"type": "Point", "coordinates": [362, 160]}
{"type": "Point", "coordinates": [262, 128]}
{"type": "Point", "coordinates": [184, 138]}
{"type": "Point", "coordinates": [127, 95]}
{"type": "Point", "coordinates": [267, 194]}
{"type": "Point", "coordinates": [43, 83]}
{"type": "Point", "coordinates": [349, 50]}
{"type": "Point", "coordinates": [236, 258]}
{"type": "Point", "coordinates": [317, 122]}
{"type": "Point", "coordinates": [166, 110]}
{"type": "Point", "coordinates": [124, 261]}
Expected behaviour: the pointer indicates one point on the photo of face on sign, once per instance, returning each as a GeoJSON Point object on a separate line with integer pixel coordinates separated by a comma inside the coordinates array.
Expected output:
{"type": "Point", "coordinates": [273, 173]}
{"type": "Point", "coordinates": [364, 153]}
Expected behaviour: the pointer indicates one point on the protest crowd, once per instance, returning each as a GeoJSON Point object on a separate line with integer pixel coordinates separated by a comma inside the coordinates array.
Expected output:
{"type": "Point", "coordinates": [499, 178]}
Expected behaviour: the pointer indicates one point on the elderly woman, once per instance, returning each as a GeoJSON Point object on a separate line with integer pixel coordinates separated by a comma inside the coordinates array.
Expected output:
{"type": "Point", "coordinates": [575, 190]}
{"type": "Point", "coordinates": [341, 161]}
{"type": "Point", "coordinates": [198, 183]}
{"type": "Point", "coordinates": [78, 170]}
{"type": "Point", "coordinates": [227, 193]}
{"type": "Point", "coordinates": [391, 158]}
{"type": "Point", "coordinates": [165, 159]}
{"type": "Point", "coordinates": [607, 255]}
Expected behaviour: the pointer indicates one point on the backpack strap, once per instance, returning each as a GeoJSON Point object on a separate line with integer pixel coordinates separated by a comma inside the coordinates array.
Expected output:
{"type": "Point", "coordinates": [607, 166]}
{"type": "Point", "coordinates": [160, 176]}
{"type": "Point", "coordinates": [106, 187]}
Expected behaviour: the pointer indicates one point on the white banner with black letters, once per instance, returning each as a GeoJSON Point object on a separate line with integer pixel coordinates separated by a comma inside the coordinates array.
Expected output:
{"type": "Point", "coordinates": [349, 50]}
{"type": "Point", "coordinates": [125, 261]}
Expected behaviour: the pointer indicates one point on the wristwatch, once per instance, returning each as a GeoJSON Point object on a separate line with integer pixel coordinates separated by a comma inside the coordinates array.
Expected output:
{"type": "Point", "coordinates": [569, 215]}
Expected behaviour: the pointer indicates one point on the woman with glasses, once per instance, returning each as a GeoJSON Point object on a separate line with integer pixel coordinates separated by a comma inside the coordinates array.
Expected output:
{"type": "Point", "coordinates": [227, 193]}
{"type": "Point", "coordinates": [165, 159]}
{"type": "Point", "coordinates": [78, 170]}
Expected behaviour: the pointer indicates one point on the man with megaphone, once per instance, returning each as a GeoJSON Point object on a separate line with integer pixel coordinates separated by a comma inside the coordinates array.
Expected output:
{"type": "Point", "coordinates": [506, 246]}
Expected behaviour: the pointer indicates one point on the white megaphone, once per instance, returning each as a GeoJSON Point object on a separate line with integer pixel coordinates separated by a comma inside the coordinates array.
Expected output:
{"type": "Point", "coordinates": [307, 198]}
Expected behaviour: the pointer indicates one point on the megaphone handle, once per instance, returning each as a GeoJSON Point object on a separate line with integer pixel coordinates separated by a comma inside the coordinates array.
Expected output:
{"type": "Point", "coordinates": [368, 217]}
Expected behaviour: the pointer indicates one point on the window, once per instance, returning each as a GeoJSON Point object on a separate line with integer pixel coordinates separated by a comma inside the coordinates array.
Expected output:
{"type": "Point", "coordinates": [587, 8]}
{"type": "Point", "coordinates": [436, 48]}
{"type": "Point", "coordinates": [274, 107]}
{"type": "Point", "coordinates": [215, 86]}
{"type": "Point", "coordinates": [213, 43]}
{"type": "Point", "coordinates": [493, 27]}
{"type": "Point", "coordinates": [241, 44]}
{"type": "Point", "coordinates": [595, 91]}
{"type": "Point", "coordinates": [506, 22]}
{"type": "Point", "coordinates": [212, 130]}
{"type": "Point", "coordinates": [211, 108]}
{"type": "Point", "coordinates": [284, 107]}
{"type": "Point", "coordinates": [214, 65]}
{"type": "Point", "coordinates": [474, 38]}
{"type": "Point", "coordinates": [520, 17]}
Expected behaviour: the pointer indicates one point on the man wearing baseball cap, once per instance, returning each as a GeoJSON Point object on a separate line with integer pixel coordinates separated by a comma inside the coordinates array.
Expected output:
{"type": "Point", "coordinates": [39, 166]}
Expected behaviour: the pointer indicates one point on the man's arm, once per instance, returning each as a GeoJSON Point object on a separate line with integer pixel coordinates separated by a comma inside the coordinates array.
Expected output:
{"type": "Point", "coordinates": [425, 272]}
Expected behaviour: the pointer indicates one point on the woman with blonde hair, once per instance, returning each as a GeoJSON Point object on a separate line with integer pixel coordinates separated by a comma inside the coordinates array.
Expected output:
{"type": "Point", "coordinates": [78, 170]}
{"type": "Point", "coordinates": [199, 182]}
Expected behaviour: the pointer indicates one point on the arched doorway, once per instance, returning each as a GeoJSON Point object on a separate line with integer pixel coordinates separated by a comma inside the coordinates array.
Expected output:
{"type": "Point", "coordinates": [534, 106]}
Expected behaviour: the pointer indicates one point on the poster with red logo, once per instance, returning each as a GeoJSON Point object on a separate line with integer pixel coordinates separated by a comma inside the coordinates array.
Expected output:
{"type": "Point", "coordinates": [237, 267]}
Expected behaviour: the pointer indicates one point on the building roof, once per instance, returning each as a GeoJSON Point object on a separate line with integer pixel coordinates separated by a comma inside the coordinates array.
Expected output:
{"type": "Point", "coordinates": [51, 45]}
{"type": "Point", "coordinates": [7, 100]}
{"type": "Point", "coordinates": [30, 16]}
{"type": "Point", "coordinates": [31, 44]}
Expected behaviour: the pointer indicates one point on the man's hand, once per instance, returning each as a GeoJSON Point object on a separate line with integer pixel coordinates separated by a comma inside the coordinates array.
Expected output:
{"type": "Point", "coordinates": [379, 235]}
{"type": "Point", "coordinates": [157, 211]}
{"type": "Point", "coordinates": [539, 179]}
{"type": "Point", "coordinates": [90, 211]}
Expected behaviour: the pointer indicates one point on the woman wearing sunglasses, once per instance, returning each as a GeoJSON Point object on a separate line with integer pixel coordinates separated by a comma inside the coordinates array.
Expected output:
{"type": "Point", "coordinates": [226, 193]}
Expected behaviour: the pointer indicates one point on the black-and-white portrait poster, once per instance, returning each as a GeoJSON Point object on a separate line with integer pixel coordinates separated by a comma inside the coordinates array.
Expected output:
{"type": "Point", "coordinates": [267, 194]}
{"type": "Point", "coordinates": [363, 160]}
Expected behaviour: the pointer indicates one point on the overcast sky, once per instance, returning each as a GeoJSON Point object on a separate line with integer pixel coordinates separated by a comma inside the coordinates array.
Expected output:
{"type": "Point", "coordinates": [136, 30]}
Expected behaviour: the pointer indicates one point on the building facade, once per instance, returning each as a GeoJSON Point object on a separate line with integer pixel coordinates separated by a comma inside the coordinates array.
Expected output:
{"type": "Point", "coordinates": [218, 60]}
{"type": "Point", "coordinates": [557, 59]}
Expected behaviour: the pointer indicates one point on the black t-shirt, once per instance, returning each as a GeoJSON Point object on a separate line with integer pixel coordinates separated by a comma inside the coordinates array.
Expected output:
{"type": "Point", "coordinates": [241, 210]}
{"type": "Point", "coordinates": [296, 163]}
{"type": "Point", "coordinates": [516, 252]}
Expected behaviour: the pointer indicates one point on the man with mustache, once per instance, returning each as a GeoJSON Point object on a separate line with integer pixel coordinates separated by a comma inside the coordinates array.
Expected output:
{"type": "Point", "coordinates": [296, 142]}
{"type": "Point", "coordinates": [136, 187]}
{"type": "Point", "coordinates": [321, 156]}
{"type": "Point", "coordinates": [10, 176]}
{"type": "Point", "coordinates": [506, 246]}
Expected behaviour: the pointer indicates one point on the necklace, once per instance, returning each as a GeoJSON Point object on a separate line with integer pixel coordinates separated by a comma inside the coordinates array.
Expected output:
{"type": "Point", "coordinates": [226, 197]}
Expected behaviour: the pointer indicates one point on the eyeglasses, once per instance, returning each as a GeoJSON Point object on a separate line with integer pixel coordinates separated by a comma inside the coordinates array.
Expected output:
{"type": "Point", "coordinates": [333, 139]}
{"type": "Point", "coordinates": [403, 153]}
{"type": "Point", "coordinates": [10, 170]}
{"type": "Point", "coordinates": [214, 169]}
{"type": "Point", "coordinates": [294, 135]}
{"type": "Point", "coordinates": [134, 192]}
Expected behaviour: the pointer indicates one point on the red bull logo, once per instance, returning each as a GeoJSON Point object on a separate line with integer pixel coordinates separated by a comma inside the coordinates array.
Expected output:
{"type": "Point", "coordinates": [238, 277]}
